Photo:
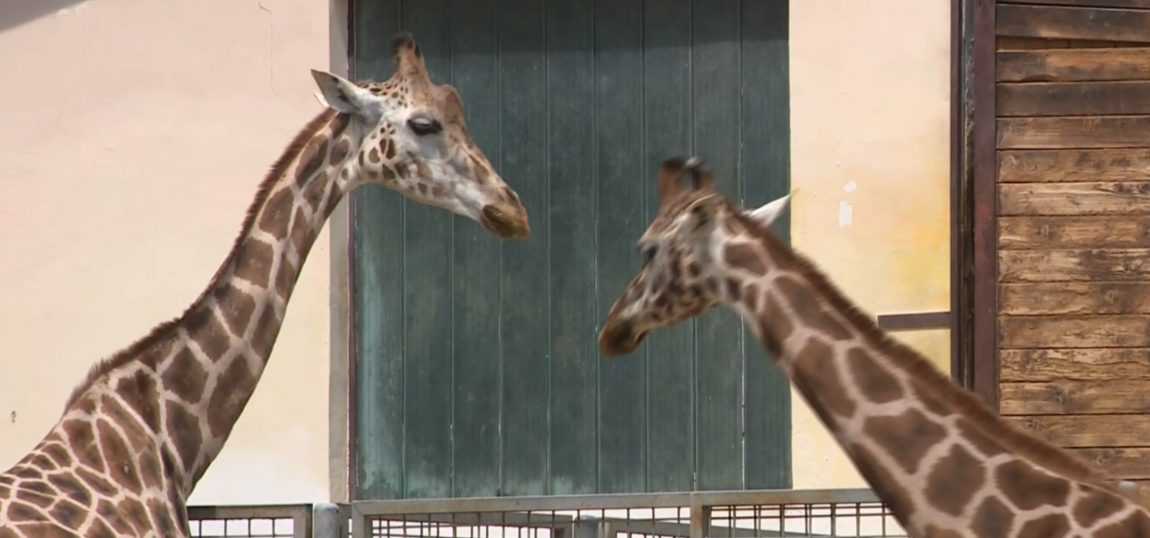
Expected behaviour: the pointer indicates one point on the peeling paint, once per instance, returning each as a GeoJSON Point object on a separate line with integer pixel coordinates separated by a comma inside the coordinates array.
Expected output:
{"type": "Point", "coordinates": [846, 214]}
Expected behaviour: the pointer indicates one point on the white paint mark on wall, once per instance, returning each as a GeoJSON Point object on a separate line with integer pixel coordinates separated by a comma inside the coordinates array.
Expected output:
{"type": "Point", "coordinates": [851, 186]}
{"type": "Point", "coordinates": [846, 214]}
{"type": "Point", "coordinates": [71, 10]}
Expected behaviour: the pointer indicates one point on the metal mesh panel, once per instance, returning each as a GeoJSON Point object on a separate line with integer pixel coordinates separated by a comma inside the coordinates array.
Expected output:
{"type": "Point", "coordinates": [806, 515]}
{"type": "Point", "coordinates": [286, 521]}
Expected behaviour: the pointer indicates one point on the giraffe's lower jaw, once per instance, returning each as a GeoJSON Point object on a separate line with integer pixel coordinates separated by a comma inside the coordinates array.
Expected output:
{"type": "Point", "coordinates": [506, 222]}
{"type": "Point", "coordinates": [619, 338]}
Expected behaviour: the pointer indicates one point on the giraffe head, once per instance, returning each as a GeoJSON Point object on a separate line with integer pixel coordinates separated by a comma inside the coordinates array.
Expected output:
{"type": "Point", "coordinates": [685, 250]}
{"type": "Point", "coordinates": [417, 142]}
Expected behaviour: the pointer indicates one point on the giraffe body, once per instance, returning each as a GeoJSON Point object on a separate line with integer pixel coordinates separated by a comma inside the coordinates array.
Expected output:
{"type": "Point", "coordinates": [138, 434]}
{"type": "Point", "coordinates": [946, 464]}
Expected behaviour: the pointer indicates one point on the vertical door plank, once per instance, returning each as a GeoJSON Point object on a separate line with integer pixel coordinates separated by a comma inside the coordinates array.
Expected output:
{"type": "Point", "coordinates": [525, 293]}
{"type": "Point", "coordinates": [715, 72]}
{"type": "Point", "coordinates": [427, 303]}
{"type": "Point", "coordinates": [475, 278]}
{"type": "Point", "coordinates": [765, 167]}
{"type": "Point", "coordinates": [619, 94]}
{"type": "Point", "coordinates": [378, 244]}
{"type": "Point", "coordinates": [572, 214]}
{"type": "Point", "coordinates": [667, 131]}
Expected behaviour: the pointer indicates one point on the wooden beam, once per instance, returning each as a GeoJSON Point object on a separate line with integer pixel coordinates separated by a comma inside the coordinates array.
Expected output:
{"type": "Point", "coordinates": [1078, 198]}
{"type": "Point", "coordinates": [1073, 132]}
{"type": "Point", "coordinates": [1072, 397]}
{"type": "Point", "coordinates": [1052, 22]}
{"type": "Point", "coordinates": [1074, 65]}
{"type": "Point", "coordinates": [1047, 298]}
{"type": "Point", "coordinates": [1073, 98]}
{"type": "Point", "coordinates": [1088, 430]}
{"type": "Point", "coordinates": [1074, 165]}
{"type": "Point", "coordinates": [1074, 331]}
{"type": "Point", "coordinates": [1074, 265]}
{"type": "Point", "coordinates": [1127, 231]}
{"type": "Point", "coordinates": [1084, 364]}
{"type": "Point", "coordinates": [984, 299]}
{"type": "Point", "coordinates": [1126, 463]}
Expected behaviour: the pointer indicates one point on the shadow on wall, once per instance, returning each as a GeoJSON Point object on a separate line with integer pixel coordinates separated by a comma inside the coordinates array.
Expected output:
{"type": "Point", "coordinates": [18, 12]}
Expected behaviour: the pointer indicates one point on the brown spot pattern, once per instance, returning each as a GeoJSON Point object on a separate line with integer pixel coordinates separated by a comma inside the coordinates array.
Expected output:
{"type": "Point", "coordinates": [313, 195]}
{"type": "Point", "coordinates": [1094, 506]}
{"type": "Point", "coordinates": [774, 326]}
{"type": "Point", "coordinates": [733, 290]}
{"type": "Point", "coordinates": [285, 279]}
{"type": "Point", "coordinates": [186, 377]}
{"type": "Point", "coordinates": [83, 442]}
{"type": "Point", "coordinates": [58, 454]}
{"type": "Point", "coordinates": [112, 515]}
{"type": "Point", "coordinates": [101, 486]}
{"type": "Point", "coordinates": [873, 379]}
{"type": "Point", "coordinates": [388, 149]}
{"type": "Point", "coordinates": [265, 334]}
{"type": "Point", "coordinates": [807, 307]}
{"type": "Point", "coordinates": [373, 155]}
{"type": "Point", "coordinates": [121, 464]}
{"type": "Point", "coordinates": [20, 512]}
{"type": "Point", "coordinates": [135, 514]}
{"type": "Point", "coordinates": [744, 256]}
{"type": "Point", "coordinates": [928, 399]}
{"type": "Point", "coordinates": [992, 519]}
{"type": "Point", "coordinates": [38, 498]}
{"type": "Point", "coordinates": [1029, 488]}
{"type": "Point", "coordinates": [184, 432]}
{"type": "Point", "coordinates": [340, 151]}
{"type": "Point", "coordinates": [1137, 524]}
{"type": "Point", "coordinates": [71, 488]}
{"type": "Point", "coordinates": [906, 437]}
{"type": "Point", "coordinates": [100, 530]}
{"type": "Point", "coordinates": [235, 306]}
{"type": "Point", "coordinates": [954, 480]}
{"type": "Point", "coordinates": [987, 446]}
{"type": "Point", "coordinates": [141, 394]}
{"type": "Point", "coordinates": [750, 296]}
{"type": "Point", "coordinates": [150, 470]}
{"type": "Point", "coordinates": [276, 212]}
{"type": "Point", "coordinates": [815, 366]}
{"type": "Point", "coordinates": [207, 330]}
{"type": "Point", "coordinates": [138, 438]}
{"type": "Point", "coordinates": [301, 235]}
{"type": "Point", "coordinates": [881, 480]}
{"type": "Point", "coordinates": [313, 156]}
{"type": "Point", "coordinates": [68, 514]}
{"type": "Point", "coordinates": [162, 517]}
{"type": "Point", "coordinates": [1051, 526]}
{"type": "Point", "coordinates": [254, 263]}
{"type": "Point", "coordinates": [231, 394]}
{"type": "Point", "coordinates": [46, 530]}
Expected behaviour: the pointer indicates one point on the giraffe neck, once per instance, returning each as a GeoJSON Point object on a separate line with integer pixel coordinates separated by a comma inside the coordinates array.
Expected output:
{"type": "Point", "coordinates": [934, 453]}
{"type": "Point", "coordinates": [188, 382]}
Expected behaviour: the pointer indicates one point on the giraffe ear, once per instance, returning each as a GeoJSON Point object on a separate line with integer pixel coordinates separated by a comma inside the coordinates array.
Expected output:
{"type": "Point", "coordinates": [340, 93]}
{"type": "Point", "coordinates": [669, 174]}
{"type": "Point", "coordinates": [770, 211]}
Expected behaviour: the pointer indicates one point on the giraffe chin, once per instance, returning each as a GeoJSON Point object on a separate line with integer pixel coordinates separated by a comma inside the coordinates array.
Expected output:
{"type": "Point", "coordinates": [506, 222]}
{"type": "Point", "coordinates": [620, 338]}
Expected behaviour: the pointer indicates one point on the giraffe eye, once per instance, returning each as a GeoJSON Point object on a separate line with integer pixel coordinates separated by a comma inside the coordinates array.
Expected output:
{"type": "Point", "coordinates": [649, 254]}
{"type": "Point", "coordinates": [424, 126]}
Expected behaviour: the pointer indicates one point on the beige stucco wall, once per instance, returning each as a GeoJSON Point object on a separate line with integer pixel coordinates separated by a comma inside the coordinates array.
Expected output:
{"type": "Point", "coordinates": [870, 120]}
{"type": "Point", "coordinates": [134, 135]}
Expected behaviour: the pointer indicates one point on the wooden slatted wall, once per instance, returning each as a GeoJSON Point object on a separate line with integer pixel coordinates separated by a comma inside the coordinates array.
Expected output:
{"type": "Point", "coordinates": [1073, 139]}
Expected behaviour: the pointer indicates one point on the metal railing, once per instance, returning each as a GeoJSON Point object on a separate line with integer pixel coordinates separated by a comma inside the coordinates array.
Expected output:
{"type": "Point", "coordinates": [715, 514]}
{"type": "Point", "coordinates": [258, 521]}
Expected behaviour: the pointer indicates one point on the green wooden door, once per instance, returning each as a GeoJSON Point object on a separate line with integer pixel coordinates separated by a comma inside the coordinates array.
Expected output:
{"type": "Point", "coordinates": [477, 371]}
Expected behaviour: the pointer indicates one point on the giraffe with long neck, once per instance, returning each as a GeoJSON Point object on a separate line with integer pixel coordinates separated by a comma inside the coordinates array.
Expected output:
{"type": "Point", "coordinates": [140, 431]}
{"type": "Point", "coordinates": [944, 463]}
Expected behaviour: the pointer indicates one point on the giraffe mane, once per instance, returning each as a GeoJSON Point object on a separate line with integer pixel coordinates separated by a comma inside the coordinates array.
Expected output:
{"type": "Point", "coordinates": [164, 330]}
{"type": "Point", "coordinates": [920, 369]}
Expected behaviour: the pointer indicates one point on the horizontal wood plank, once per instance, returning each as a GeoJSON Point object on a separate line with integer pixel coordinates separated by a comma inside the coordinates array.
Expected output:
{"type": "Point", "coordinates": [1126, 231]}
{"type": "Point", "coordinates": [1073, 331]}
{"type": "Point", "coordinates": [1090, 364]}
{"type": "Point", "coordinates": [1049, 165]}
{"type": "Point", "coordinates": [1088, 430]}
{"type": "Point", "coordinates": [1074, 132]}
{"type": "Point", "coordinates": [1074, 265]}
{"type": "Point", "coordinates": [1072, 98]}
{"type": "Point", "coordinates": [1143, 4]}
{"type": "Point", "coordinates": [1044, 298]}
{"type": "Point", "coordinates": [1125, 463]}
{"type": "Point", "coordinates": [1073, 65]}
{"type": "Point", "coordinates": [1051, 22]}
{"type": "Point", "coordinates": [1077, 198]}
{"type": "Point", "coordinates": [1072, 397]}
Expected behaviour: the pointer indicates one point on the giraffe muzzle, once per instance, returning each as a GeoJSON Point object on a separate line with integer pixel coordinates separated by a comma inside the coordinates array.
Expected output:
{"type": "Point", "coordinates": [619, 338]}
{"type": "Point", "coordinates": [506, 220]}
